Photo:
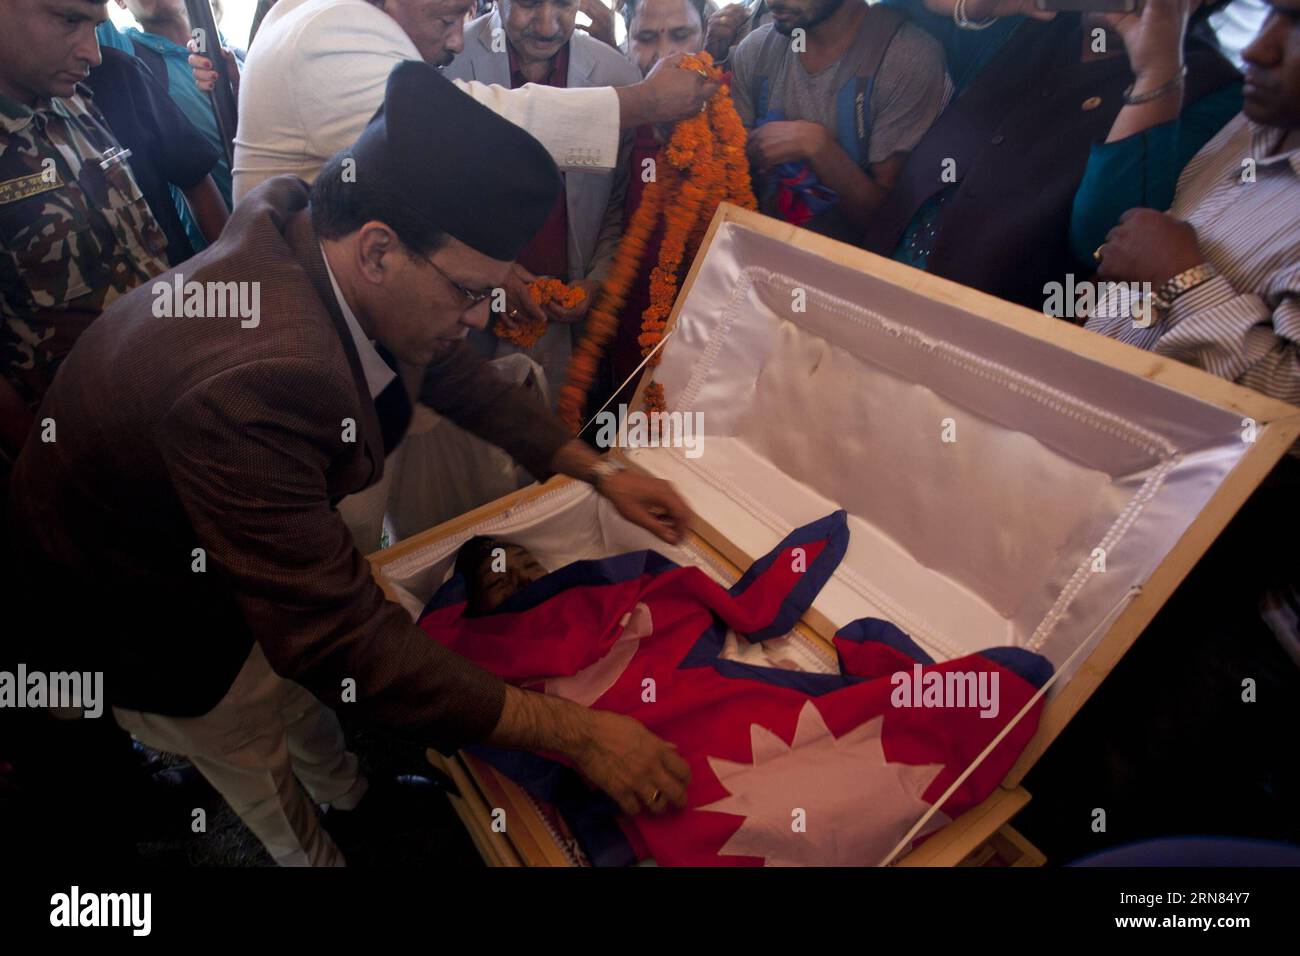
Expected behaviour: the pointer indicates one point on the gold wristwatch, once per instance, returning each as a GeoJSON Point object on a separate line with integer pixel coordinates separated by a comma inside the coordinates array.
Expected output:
{"type": "Point", "coordinates": [1185, 281]}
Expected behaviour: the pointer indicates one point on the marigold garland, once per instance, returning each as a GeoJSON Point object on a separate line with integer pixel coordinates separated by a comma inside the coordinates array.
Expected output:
{"type": "Point", "coordinates": [528, 331]}
{"type": "Point", "coordinates": [705, 164]}
{"type": "Point", "coordinates": [546, 291]}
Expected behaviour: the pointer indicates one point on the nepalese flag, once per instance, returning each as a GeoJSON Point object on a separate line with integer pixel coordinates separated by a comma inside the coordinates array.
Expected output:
{"type": "Point", "coordinates": [788, 766]}
{"type": "Point", "coordinates": [800, 195]}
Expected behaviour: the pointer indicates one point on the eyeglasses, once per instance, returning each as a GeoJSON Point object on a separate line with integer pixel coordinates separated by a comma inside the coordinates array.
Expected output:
{"type": "Point", "coordinates": [472, 297]}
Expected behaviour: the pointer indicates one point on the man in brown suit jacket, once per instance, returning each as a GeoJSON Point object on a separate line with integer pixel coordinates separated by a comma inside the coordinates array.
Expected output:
{"type": "Point", "coordinates": [186, 499]}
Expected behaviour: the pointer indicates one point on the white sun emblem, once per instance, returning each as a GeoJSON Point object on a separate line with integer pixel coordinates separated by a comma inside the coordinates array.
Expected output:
{"type": "Point", "coordinates": [856, 805]}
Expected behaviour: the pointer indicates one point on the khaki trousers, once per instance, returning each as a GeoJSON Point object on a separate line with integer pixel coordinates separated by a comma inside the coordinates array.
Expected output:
{"type": "Point", "coordinates": [273, 751]}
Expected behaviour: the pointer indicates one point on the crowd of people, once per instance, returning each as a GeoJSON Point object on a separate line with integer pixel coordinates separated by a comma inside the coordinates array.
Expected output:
{"type": "Point", "coordinates": [391, 154]}
{"type": "Point", "coordinates": [907, 128]}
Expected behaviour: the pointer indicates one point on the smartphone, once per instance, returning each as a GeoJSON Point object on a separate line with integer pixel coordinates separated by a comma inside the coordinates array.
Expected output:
{"type": "Point", "coordinates": [1088, 6]}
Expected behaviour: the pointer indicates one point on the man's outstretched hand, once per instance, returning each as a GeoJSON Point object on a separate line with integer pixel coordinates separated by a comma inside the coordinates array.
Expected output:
{"type": "Point", "coordinates": [616, 753]}
{"type": "Point", "coordinates": [649, 502]}
{"type": "Point", "coordinates": [1148, 246]}
{"type": "Point", "coordinates": [668, 94]}
{"type": "Point", "coordinates": [639, 770]}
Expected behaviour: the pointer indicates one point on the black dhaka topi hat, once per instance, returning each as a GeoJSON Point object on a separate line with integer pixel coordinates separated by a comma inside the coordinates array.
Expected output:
{"type": "Point", "coordinates": [475, 175]}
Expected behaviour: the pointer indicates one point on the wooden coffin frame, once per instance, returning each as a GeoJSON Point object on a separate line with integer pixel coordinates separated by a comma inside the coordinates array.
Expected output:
{"type": "Point", "coordinates": [982, 830]}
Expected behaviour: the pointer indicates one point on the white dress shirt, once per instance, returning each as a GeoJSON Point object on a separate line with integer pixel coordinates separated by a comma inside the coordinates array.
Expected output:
{"type": "Point", "coordinates": [1241, 193]}
{"type": "Point", "coordinates": [318, 71]}
{"type": "Point", "coordinates": [379, 374]}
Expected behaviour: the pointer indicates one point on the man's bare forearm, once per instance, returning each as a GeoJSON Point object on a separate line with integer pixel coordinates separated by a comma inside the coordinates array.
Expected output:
{"type": "Point", "coordinates": [634, 107]}
{"type": "Point", "coordinates": [666, 95]}
{"type": "Point", "coordinates": [860, 194]}
{"type": "Point", "coordinates": [575, 459]}
{"type": "Point", "coordinates": [209, 209]}
{"type": "Point", "coordinates": [614, 752]}
{"type": "Point", "coordinates": [536, 722]}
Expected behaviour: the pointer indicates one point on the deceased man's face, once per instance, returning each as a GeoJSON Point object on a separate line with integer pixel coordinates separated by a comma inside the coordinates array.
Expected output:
{"type": "Point", "coordinates": [505, 569]}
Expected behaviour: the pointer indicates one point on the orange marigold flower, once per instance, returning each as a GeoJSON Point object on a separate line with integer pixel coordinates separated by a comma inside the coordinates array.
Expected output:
{"type": "Point", "coordinates": [654, 398]}
{"type": "Point", "coordinates": [527, 332]}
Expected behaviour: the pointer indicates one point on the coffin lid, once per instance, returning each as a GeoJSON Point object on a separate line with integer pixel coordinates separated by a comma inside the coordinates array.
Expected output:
{"type": "Point", "coordinates": [1010, 479]}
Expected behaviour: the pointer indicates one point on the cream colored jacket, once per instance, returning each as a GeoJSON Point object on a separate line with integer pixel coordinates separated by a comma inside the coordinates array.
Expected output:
{"type": "Point", "coordinates": [317, 73]}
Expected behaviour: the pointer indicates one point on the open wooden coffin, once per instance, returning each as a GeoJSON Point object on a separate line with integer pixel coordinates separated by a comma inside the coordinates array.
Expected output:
{"type": "Point", "coordinates": [1010, 480]}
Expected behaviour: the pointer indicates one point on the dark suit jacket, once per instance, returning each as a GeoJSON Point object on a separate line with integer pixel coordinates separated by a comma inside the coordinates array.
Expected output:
{"type": "Point", "coordinates": [1020, 136]}
{"type": "Point", "coordinates": [182, 433]}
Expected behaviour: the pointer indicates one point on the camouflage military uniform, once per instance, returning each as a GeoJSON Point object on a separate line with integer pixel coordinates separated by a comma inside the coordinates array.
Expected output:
{"type": "Point", "coordinates": [76, 235]}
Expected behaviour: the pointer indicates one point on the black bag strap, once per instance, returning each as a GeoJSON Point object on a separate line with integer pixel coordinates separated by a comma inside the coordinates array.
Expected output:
{"type": "Point", "coordinates": [153, 60]}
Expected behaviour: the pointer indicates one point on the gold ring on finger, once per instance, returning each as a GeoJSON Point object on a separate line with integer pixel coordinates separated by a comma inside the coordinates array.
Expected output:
{"type": "Point", "coordinates": [1096, 253]}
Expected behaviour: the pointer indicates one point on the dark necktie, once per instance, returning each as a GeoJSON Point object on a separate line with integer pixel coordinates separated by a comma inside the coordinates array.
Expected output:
{"type": "Point", "coordinates": [392, 405]}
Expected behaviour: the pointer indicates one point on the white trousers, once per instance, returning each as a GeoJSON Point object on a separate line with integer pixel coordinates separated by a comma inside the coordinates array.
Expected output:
{"type": "Point", "coordinates": [273, 751]}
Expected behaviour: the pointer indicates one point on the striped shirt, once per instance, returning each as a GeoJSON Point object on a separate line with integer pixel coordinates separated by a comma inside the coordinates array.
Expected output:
{"type": "Point", "coordinates": [1243, 198]}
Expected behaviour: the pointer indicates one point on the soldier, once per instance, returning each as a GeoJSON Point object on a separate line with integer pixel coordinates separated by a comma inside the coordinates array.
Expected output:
{"type": "Point", "coordinates": [76, 228]}
{"type": "Point", "coordinates": [77, 234]}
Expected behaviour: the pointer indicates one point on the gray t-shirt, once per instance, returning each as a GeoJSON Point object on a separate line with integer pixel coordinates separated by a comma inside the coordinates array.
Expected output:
{"type": "Point", "coordinates": [909, 91]}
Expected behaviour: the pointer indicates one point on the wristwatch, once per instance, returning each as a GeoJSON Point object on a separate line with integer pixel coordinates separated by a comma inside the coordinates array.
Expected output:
{"type": "Point", "coordinates": [1185, 281]}
{"type": "Point", "coordinates": [605, 468]}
